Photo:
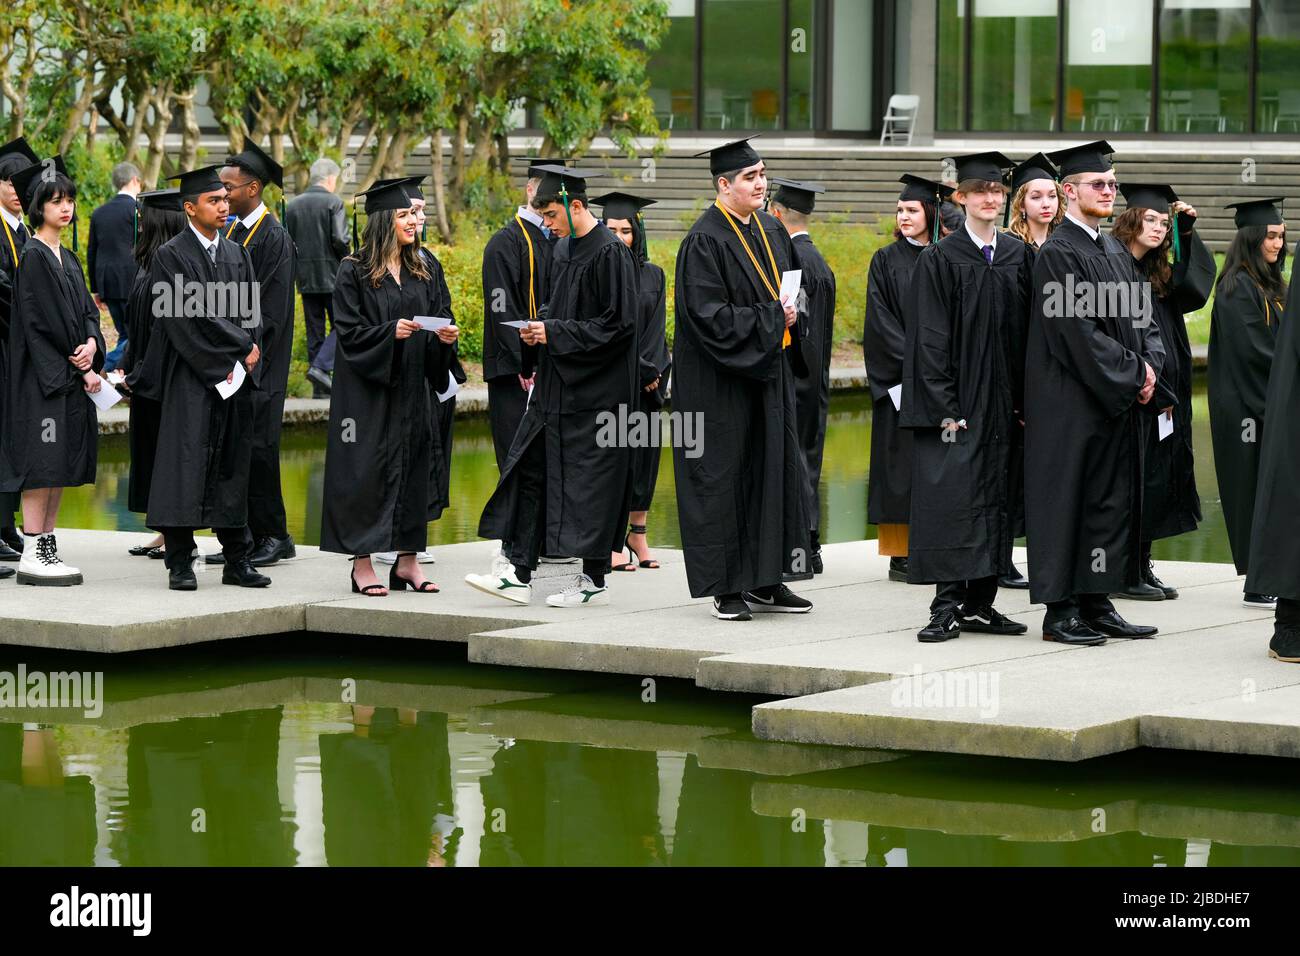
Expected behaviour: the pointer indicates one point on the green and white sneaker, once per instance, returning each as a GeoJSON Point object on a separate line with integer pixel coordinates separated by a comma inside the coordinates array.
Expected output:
{"type": "Point", "coordinates": [502, 583]}
{"type": "Point", "coordinates": [581, 593]}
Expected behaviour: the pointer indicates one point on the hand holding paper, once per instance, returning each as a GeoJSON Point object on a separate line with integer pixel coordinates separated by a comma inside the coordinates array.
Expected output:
{"type": "Point", "coordinates": [232, 382]}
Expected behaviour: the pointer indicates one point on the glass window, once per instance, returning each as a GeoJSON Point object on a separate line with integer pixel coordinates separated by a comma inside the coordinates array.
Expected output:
{"type": "Point", "coordinates": [672, 69]}
{"type": "Point", "coordinates": [1204, 66]}
{"type": "Point", "coordinates": [950, 88]}
{"type": "Point", "coordinates": [799, 86]}
{"type": "Point", "coordinates": [742, 64]}
{"type": "Point", "coordinates": [1108, 65]}
{"type": "Point", "coordinates": [1013, 65]}
{"type": "Point", "coordinates": [851, 59]}
{"type": "Point", "coordinates": [1278, 82]}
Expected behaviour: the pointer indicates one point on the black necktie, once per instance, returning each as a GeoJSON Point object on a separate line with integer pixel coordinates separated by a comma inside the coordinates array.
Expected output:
{"type": "Point", "coordinates": [22, 232]}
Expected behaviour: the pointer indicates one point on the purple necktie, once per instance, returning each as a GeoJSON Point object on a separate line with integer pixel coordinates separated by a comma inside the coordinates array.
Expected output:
{"type": "Point", "coordinates": [988, 254]}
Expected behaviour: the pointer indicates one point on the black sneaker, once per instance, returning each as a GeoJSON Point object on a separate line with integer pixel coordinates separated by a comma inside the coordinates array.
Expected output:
{"type": "Point", "coordinates": [731, 607]}
{"type": "Point", "coordinates": [943, 626]}
{"type": "Point", "coordinates": [780, 599]}
{"type": "Point", "coordinates": [898, 569]}
{"type": "Point", "coordinates": [1149, 577]}
{"type": "Point", "coordinates": [1285, 645]}
{"type": "Point", "coordinates": [1264, 602]}
{"type": "Point", "coordinates": [987, 620]}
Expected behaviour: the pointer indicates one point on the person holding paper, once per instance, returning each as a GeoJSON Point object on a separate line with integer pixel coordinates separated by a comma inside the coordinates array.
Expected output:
{"type": "Point", "coordinates": [1092, 363]}
{"type": "Point", "coordinates": [204, 303]}
{"type": "Point", "coordinates": [793, 206]}
{"type": "Point", "coordinates": [741, 496]}
{"type": "Point", "coordinates": [889, 478]}
{"type": "Point", "coordinates": [246, 176]}
{"type": "Point", "coordinates": [963, 397]}
{"type": "Point", "coordinates": [55, 354]}
{"type": "Point", "coordinates": [1170, 504]}
{"type": "Point", "coordinates": [565, 488]}
{"type": "Point", "coordinates": [382, 454]}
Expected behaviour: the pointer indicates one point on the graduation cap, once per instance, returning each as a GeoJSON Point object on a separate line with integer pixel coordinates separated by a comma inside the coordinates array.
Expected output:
{"type": "Point", "coordinates": [535, 165]}
{"type": "Point", "coordinates": [801, 197]}
{"type": "Point", "coordinates": [196, 182]}
{"type": "Point", "coordinates": [254, 159]}
{"type": "Point", "coordinates": [618, 205]}
{"type": "Point", "coordinates": [1088, 158]}
{"type": "Point", "coordinates": [165, 199]}
{"type": "Point", "coordinates": [1036, 166]}
{"type": "Point", "coordinates": [986, 167]}
{"type": "Point", "coordinates": [562, 180]}
{"type": "Point", "coordinates": [28, 178]}
{"type": "Point", "coordinates": [412, 186]}
{"type": "Point", "coordinates": [15, 155]}
{"type": "Point", "coordinates": [920, 189]}
{"type": "Point", "coordinates": [1256, 212]}
{"type": "Point", "coordinates": [737, 154]}
{"type": "Point", "coordinates": [387, 194]}
{"type": "Point", "coordinates": [1155, 196]}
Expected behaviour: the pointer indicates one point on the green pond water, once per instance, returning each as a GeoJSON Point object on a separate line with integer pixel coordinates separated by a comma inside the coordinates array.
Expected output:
{"type": "Point", "coordinates": [317, 750]}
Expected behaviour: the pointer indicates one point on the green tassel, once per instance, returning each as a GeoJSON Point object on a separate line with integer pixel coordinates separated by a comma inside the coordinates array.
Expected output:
{"type": "Point", "coordinates": [564, 194]}
{"type": "Point", "coordinates": [282, 208]}
{"type": "Point", "coordinates": [355, 246]}
{"type": "Point", "coordinates": [938, 219]}
{"type": "Point", "coordinates": [74, 232]}
{"type": "Point", "coordinates": [1178, 252]}
{"type": "Point", "coordinates": [423, 231]}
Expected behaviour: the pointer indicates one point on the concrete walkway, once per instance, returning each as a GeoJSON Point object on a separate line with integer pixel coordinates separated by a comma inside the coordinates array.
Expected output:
{"type": "Point", "coordinates": [852, 673]}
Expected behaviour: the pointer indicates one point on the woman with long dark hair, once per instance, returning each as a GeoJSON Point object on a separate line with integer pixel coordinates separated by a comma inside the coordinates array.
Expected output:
{"type": "Point", "coordinates": [889, 478]}
{"type": "Point", "coordinates": [55, 355]}
{"type": "Point", "coordinates": [383, 441]}
{"type": "Point", "coordinates": [1170, 504]}
{"type": "Point", "coordinates": [1248, 303]}
{"type": "Point", "coordinates": [622, 213]}
{"type": "Point", "coordinates": [160, 218]}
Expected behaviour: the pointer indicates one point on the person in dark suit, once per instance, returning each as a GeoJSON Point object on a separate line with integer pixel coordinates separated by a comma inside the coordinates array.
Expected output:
{"type": "Point", "coordinates": [109, 254]}
{"type": "Point", "coordinates": [318, 225]}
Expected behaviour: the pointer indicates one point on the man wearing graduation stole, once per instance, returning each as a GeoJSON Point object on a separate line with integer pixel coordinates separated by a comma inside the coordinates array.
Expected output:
{"type": "Point", "coordinates": [741, 498]}
{"type": "Point", "coordinates": [272, 252]}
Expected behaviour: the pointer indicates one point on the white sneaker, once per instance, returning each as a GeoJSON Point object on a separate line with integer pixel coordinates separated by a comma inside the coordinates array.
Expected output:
{"type": "Point", "coordinates": [504, 584]}
{"type": "Point", "coordinates": [41, 565]}
{"type": "Point", "coordinates": [581, 593]}
{"type": "Point", "coordinates": [390, 557]}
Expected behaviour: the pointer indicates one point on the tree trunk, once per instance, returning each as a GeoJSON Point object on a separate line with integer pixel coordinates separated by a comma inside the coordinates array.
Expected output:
{"type": "Point", "coordinates": [439, 193]}
{"type": "Point", "coordinates": [189, 131]}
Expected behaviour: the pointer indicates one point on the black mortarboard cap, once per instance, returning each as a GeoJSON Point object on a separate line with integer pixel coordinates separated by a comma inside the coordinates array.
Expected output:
{"type": "Point", "coordinates": [535, 165]}
{"type": "Point", "coordinates": [27, 179]}
{"type": "Point", "coordinates": [801, 197]}
{"type": "Point", "coordinates": [412, 186]}
{"type": "Point", "coordinates": [1256, 212]}
{"type": "Point", "coordinates": [387, 194]}
{"type": "Point", "coordinates": [165, 199]}
{"type": "Point", "coordinates": [256, 161]}
{"type": "Point", "coordinates": [573, 181]}
{"type": "Point", "coordinates": [986, 167]}
{"type": "Point", "coordinates": [1155, 196]}
{"type": "Point", "coordinates": [919, 189]}
{"type": "Point", "coordinates": [1036, 166]}
{"type": "Point", "coordinates": [15, 155]}
{"type": "Point", "coordinates": [737, 154]}
{"type": "Point", "coordinates": [1088, 158]}
{"type": "Point", "coordinates": [618, 205]}
{"type": "Point", "coordinates": [195, 182]}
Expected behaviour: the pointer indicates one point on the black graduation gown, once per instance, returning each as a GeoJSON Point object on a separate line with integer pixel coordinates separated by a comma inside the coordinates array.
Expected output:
{"type": "Point", "coordinates": [273, 255]}
{"type": "Point", "coordinates": [741, 501]}
{"type": "Point", "coordinates": [146, 412]}
{"type": "Point", "coordinates": [1170, 504]}
{"type": "Point", "coordinates": [585, 372]}
{"type": "Point", "coordinates": [505, 292]}
{"type": "Point", "coordinates": [383, 458]}
{"type": "Point", "coordinates": [1084, 427]}
{"type": "Point", "coordinates": [812, 393]}
{"type": "Point", "coordinates": [964, 359]}
{"type": "Point", "coordinates": [204, 442]}
{"type": "Point", "coordinates": [51, 430]}
{"type": "Point", "coordinates": [889, 478]}
{"type": "Point", "coordinates": [655, 361]}
{"type": "Point", "coordinates": [1243, 333]}
{"type": "Point", "coordinates": [1274, 545]}
{"type": "Point", "coordinates": [444, 412]}
{"type": "Point", "coordinates": [11, 247]}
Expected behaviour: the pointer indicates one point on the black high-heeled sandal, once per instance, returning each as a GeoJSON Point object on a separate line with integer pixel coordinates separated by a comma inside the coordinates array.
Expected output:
{"type": "Point", "coordinates": [370, 590]}
{"type": "Point", "coordinates": [398, 583]}
{"type": "Point", "coordinates": [631, 552]}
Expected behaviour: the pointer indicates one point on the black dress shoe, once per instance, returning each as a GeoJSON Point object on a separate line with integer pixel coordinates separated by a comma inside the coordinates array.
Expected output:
{"type": "Point", "coordinates": [9, 554]}
{"type": "Point", "coordinates": [1014, 580]}
{"type": "Point", "coordinates": [216, 558]}
{"type": "Point", "coordinates": [1141, 591]}
{"type": "Point", "coordinates": [182, 579]}
{"type": "Point", "coordinates": [1072, 631]}
{"type": "Point", "coordinates": [898, 569]}
{"type": "Point", "coordinates": [269, 550]}
{"type": "Point", "coordinates": [7, 573]}
{"type": "Point", "coordinates": [1113, 625]}
{"type": "Point", "coordinates": [320, 379]}
{"type": "Point", "coordinates": [243, 574]}
{"type": "Point", "coordinates": [986, 620]}
{"type": "Point", "coordinates": [13, 538]}
{"type": "Point", "coordinates": [1285, 645]}
{"type": "Point", "coordinates": [943, 626]}
{"type": "Point", "coordinates": [1149, 576]}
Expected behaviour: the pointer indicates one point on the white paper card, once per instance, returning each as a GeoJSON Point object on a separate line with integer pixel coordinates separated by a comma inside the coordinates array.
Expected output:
{"type": "Point", "coordinates": [106, 397]}
{"type": "Point", "coordinates": [431, 323]}
{"type": "Point", "coordinates": [896, 396]}
{"type": "Point", "coordinates": [514, 323]}
{"type": "Point", "coordinates": [790, 282]}
{"type": "Point", "coordinates": [226, 389]}
{"type": "Point", "coordinates": [1165, 424]}
{"type": "Point", "coordinates": [453, 387]}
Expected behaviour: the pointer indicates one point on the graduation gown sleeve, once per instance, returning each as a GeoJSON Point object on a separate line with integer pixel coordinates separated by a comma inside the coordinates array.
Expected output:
{"type": "Point", "coordinates": [53, 327]}
{"type": "Point", "coordinates": [930, 392]}
{"type": "Point", "coordinates": [590, 340]}
{"type": "Point", "coordinates": [883, 328]}
{"type": "Point", "coordinates": [371, 349]}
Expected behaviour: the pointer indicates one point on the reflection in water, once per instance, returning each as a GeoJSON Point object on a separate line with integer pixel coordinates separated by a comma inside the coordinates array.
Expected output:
{"type": "Point", "coordinates": [203, 760]}
{"type": "Point", "coordinates": [474, 474]}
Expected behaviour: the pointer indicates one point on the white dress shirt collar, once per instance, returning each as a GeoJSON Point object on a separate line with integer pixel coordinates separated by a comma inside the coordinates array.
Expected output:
{"type": "Point", "coordinates": [253, 216]}
{"type": "Point", "coordinates": [528, 214]}
{"type": "Point", "coordinates": [204, 241]}
{"type": "Point", "coordinates": [980, 242]}
{"type": "Point", "coordinates": [1092, 233]}
{"type": "Point", "coordinates": [14, 221]}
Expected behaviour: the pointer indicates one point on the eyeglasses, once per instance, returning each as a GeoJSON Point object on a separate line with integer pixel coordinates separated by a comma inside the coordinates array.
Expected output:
{"type": "Point", "coordinates": [1159, 221]}
{"type": "Point", "coordinates": [1102, 185]}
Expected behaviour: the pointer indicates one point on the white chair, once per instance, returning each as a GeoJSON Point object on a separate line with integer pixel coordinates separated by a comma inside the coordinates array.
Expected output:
{"type": "Point", "coordinates": [899, 118]}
